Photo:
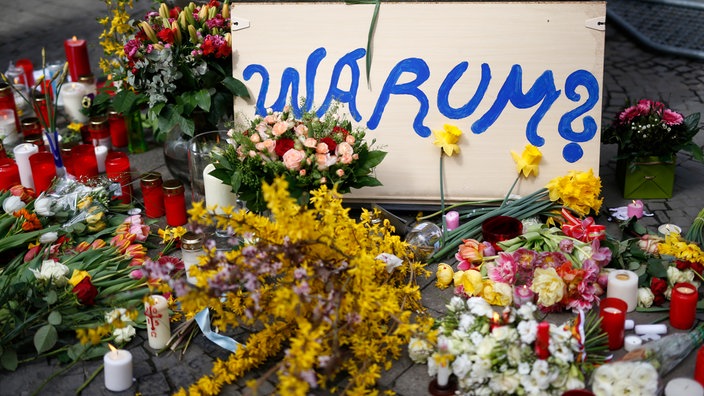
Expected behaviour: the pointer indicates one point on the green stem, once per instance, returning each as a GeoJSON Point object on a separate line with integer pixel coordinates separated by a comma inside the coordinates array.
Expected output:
{"type": "Point", "coordinates": [90, 379]}
{"type": "Point", "coordinates": [442, 201]}
{"type": "Point", "coordinates": [510, 190]}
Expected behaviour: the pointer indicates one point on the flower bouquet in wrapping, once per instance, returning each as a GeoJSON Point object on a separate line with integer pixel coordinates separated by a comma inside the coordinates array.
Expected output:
{"type": "Point", "coordinates": [309, 152]}
{"type": "Point", "coordinates": [639, 371]}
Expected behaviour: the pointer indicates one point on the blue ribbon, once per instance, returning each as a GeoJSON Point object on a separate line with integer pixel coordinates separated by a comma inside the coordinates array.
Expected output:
{"type": "Point", "coordinates": [203, 320]}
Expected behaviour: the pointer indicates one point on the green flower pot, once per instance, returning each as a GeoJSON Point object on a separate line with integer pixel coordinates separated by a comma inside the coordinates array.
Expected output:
{"type": "Point", "coordinates": [646, 177]}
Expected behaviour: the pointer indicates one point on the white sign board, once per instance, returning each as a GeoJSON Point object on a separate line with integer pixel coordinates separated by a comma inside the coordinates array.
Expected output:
{"type": "Point", "coordinates": [507, 74]}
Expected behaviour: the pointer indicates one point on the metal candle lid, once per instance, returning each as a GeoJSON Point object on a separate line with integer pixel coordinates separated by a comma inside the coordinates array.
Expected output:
{"type": "Point", "coordinates": [191, 241]}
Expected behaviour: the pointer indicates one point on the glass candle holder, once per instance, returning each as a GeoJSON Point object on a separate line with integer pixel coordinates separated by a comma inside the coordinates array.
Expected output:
{"type": "Point", "coordinates": [43, 170]}
{"type": "Point", "coordinates": [9, 173]}
{"type": "Point", "coordinates": [175, 203]}
{"type": "Point", "coordinates": [203, 185]}
{"type": "Point", "coordinates": [191, 250]}
{"type": "Point", "coordinates": [7, 101]}
{"type": "Point", "coordinates": [85, 163]}
{"type": "Point", "coordinates": [118, 129]}
{"type": "Point", "coordinates": [99, 129]}
{"type": "Point", "coordinates": [613, 320]}
{"type": "Point", "coordinates": [153, 194]}
{"type": "Point", "coordinates": [31, 126]}
{"type": "Point", "coordinates": [683, 306]}
{"type": "Point", "coordinates": [117, 169]}
{"type": "Point", "coordinates": [501, 228]}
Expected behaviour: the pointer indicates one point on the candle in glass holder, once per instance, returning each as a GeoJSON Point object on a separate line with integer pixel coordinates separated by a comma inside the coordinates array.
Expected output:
{"type": "Point", "coordinates": [153, 194]}
{"type": "Point", "coordinates": [9, 174]}
{"type": "Point", "coordinates": [522, 295]}
{"type": "Point", "coordinates": [72, 98]}
{"type": "Point", "coordinates": [28, 67]}
{"type": "Point", "coordinates": [635, 209]}
{"type": "Point", "coordinates": [77, 58]}
{"type": "Point", "coordinates": [683, 306]}
{"type": "Point", "coordinates": [118, 129]}
{"type": "Point", "coordinates": [175, 203]}
{"type": "Point", "coordinates": [43, 110]}
{"type": "Point", "coordinates": [8, 127]}
{"type": "Point", "coordinates": [117, 169]}
{"type": "Point", "coordinates": [22, 153]}
{"type": "Point", "coordinates": [99, 129]}
{"type": "Point", "coordinates": [191, 250]}
{"type": "Point", "coordinates": [36, 139]}
{"type": "Point", "coordinates": [452, 220]}
{"type": "Point", "coordinates": [542, 341]}
{"type": "Point", "coordinates": [217, 192]}
{"type": "Point", "coordinates": [118, 369]}
{"type": "Point", "coordinates": [613, 320]}
{"type": "Point", "coordinates": [156, 310]}
{"type": "Point", "coordinates": [683, 387]}
{"type": "Point", "coordinates": [7, 101]}
{"type": "Point", "coordinates": [43, 170]}
{"type": "Point", "coordinates": [623, 284]}
{"type": "Point", "coordinates": [101, 153]}
{"type": "Point", "coordinates": [85, 163]}
{"type": "Point", "coordinates": [31, 126]}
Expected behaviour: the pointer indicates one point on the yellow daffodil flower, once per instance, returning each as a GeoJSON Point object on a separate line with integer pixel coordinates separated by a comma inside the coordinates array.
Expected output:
{"type": "Point", "coordinates": [447, 139]}
{"type": "Point", "coordinates": [527, 162]}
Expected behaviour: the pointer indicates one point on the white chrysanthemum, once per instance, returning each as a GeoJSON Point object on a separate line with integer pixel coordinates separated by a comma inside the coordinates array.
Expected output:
{"type": "Point", "coordinates": [541, 373]}
{"type": "Point", "coordinates": [456, 304]}
{"type": "Point", "coordinates": [514, 354]}
{"type": "Point", "coordinates": [419, 350]}
{"type": "Point", "coordinates": [506, 382]}
{"type": "Point", "coordinates": [527, 311]}
{"type": "Point", "coordinates": [481, 369]}
{"type": "Point", "coordinates": [528, 330]}
{"type": "Point", "coordinates": [467, 322]}
{"type": "Point", "coordinates": [485, 349]}
{"type": "Point", "coordinates": [462, 365]}
{"type": "Point", "coordinates": [523, 368]}
{"type": "Point", "coordinates": [476, 338]}
{"type": "Point", "coordinates": [479, 307]}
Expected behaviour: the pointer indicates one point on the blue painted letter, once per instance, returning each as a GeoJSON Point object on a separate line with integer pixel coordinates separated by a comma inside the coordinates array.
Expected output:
{"type": "Point", "coordinates": [450, 81]}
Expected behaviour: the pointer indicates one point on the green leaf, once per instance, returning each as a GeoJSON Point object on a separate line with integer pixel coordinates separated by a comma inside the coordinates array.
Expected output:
{"type": "Point", "coordinates": [51, 297]}
{"type": "Point", "coordinates": [367, 181]}
{"type": "Point", "coordinates": [54, 318]}
{"type": "Point", "coordinates": [657, 269]}
{"type": "Point", "coordinates": [45, 338]}
{"type": "Point", "coordinates": [236, 181]}
{"type": "Point", "coordinates": [236, 87]}
{"type": "Point", "coordinates": [373, 159]}
{"type": "Point", "coordinates": [8, 359]}
{"type": "Point", "coordinates": [202, 99]}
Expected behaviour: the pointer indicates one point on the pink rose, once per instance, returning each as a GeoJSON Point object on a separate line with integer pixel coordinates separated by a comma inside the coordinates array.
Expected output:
{"type": "Point", "coordinates": [270, 119]}
{"type": "Point", "coordinates": [322, 148]}
{"type": "Point", "coordinates": [340, 172]}
{"type": "Point", "coordinates": [325, 161]}
{"type": "Point", "coordinates": [255, 138]}
{"type": "Point", "coordinates": [279, 128]}
{"type": "Point", "coordinates": [310, 142]}
{"type": "Point", "coordinates": [270, 145]}
{"type": "Point", "coordinates": [301, 130]}
{"type": "Point", "coordinates": [350, 139]}
{"type": "Point", "coordinates": [292, 159]}
{"type": "Point", "coordinates": [344, 148]}
{"type": "Point", "coordinates": [346, 159]}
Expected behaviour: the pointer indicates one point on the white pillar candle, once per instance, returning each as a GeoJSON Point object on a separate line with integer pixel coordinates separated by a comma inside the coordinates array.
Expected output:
{"type": "Point", "coordinates": [631, 343]}
{"type": "Point", "coordinates": [72, 97]}
{"type": "Point", "coordinates": [156, 309]}
{"type": "Point", "coordinates": [8, 128]}
{"type": "Point", "coordinates": [101, 153]}
{"type": "Point", "coordinates": [217, 192]}
{"type": "Point", "coordinates": [623, 284]}
{"type": "Point", "coordinates": [444, 373]}
{"type": "Point", "coordinates": [667, 229]}
{"type": "Point", "coordinates": [684, 386]}
{"type": "Point", "coordinates": [651, 329]}
{"type": "Point", "coordinates": [630, 324]}
{"type": "Point", "coordinates": [118, 369]}
{"type": "Point", "coordinates": [22, 153]}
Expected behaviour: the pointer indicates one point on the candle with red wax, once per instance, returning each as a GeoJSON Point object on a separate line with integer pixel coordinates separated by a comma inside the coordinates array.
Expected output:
{"type": "Point", "coordinates": [7, 101]}
{"type": "Point", "coordinates": [77, 58]}
{"type": "Point", "coordinates": [452, 220]}
{"type": "Point", "coordinates": [118, 129]}
{"type": "Point", "coordinates": [117, 168]}
{"type": "Point", "coordinates": [28, 68]}
{"type": "Point", "coordinates": [683, 306]}
{"type": "Point", "coordinates": [542, 341]}
{"type": "Point", "coordinates": [635, 208]}
{"type": "Point", "coordinates": [175, 203]}
{"type": "Point", "coordinates": [85, 163]}
{"type": "Point", "coordinates": [9, 173]}
{"type": "Point", "coordinates": [699, 367]}
{"type": "Point", "coordinates": [43, 170]}
{"type": "Point", "coordinates": [153, 194]}
{"type": "Point", "coordinates": [613, 320]}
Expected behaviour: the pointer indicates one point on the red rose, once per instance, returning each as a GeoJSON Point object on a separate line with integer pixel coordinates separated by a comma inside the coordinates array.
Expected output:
{"type": "Point", "coordinates": [696, 267]}
{"type": "Point", "coordinates": [682, 265]}
{"type": "Point", "coordinates": [166, 35]}
{"type": "Point", "coordinates": [331, 143]}
{"type": "Point", "coordinates": [282, 146]}
{"type": "Point", "coordinates": [85, 292]}
{"type": "Point", "coordinates": [342, 131]}
{"type": "Point", "coordinates": [658, 287]}
{"type": "Point", "coordinates": [173, 13]}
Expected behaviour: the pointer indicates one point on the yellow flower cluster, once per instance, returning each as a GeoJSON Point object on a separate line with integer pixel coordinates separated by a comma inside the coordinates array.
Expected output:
{"type": "Point", "coordinates": [579, 191]}
{"type": "Point", "coordinates": [677, 247]}
{"type": "Point", "coordinates": [473, 284]}
{"type": "Point", "coordinates": [116, 28]}
{"type": "Point", "coordinates": [358, 332]}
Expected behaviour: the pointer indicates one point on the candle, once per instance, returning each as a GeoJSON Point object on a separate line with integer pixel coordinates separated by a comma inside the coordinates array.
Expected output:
{"type": "Point", "coordinates": [684, 387]}
{"type": "Point", "coordinates": [43, 170]}
{"type": "Point", "coordinates": [77, 58]}
{"type": "Point", "coordinates": [522, 294]}
{"type": "Point", "coordinates": [99, 130]}
{"type": "Point", "coordinates": [444, 373]}
{"type": "Point", "coordinates": [217, 192]}
{"type": "Point", "coordinates": [22, 153]}
{"type": "Point", "coordinates": [667, 229]}
{"type": "Point", "coordinates": [613, 320]}
{"type": "Point", "coordinates": [9, 174]}
{"type": "Point", "coordinates": [118, 129]}
{"type": "Point", "coordinates": [630, 324]}
{"type": "Point", "coordinates": [542, 341]}
{"type": "Point", "coordinates": [683, 306]}
{"type": "Point", "coordinates": [623, 284]}
{"type": "Point", "coordinates": [118, 369]}
{"type": "Point", "coordinates": [117, 169]}
{"type": "Point", "coordinates": [191, 250]}
{"type": "Point", "coordinates": [7, 101]}
{"type": "Point", "coordinates": [452, 220]}
{"type": "Point", "coordinates": [85, 163]}
{"type": "Point", "coordinates": [651, 329]}
{"type": "Point", "coordinates": [72, 97]}
{"type": "Point", "coordinates": [153, 194]}
{"type": "Point", "coordinates": [699, 366]}
{"type": "Point", "coordinates": [31, 126]}
{"type": "Point", "coordinates": [175, 203]}
{"type": "Point", "coordinates": [156, 310]}
{"type": "Point", "coordinates": [632, 342]}
{"type": "Point", "coordinates": [101, 153]}
{"type": "Point", "coordinates": [28, 68]}
{"type": "Point", "coordinates": [635, 208]}
{"type": "Point", "coordinates": [8, 126]}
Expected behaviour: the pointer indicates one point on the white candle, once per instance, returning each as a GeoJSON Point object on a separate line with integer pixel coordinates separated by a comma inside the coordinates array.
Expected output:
{"type": "Point", "coordinates": [72, 97]}
{"type": "Point", "coordinates": [118, 369]}
{"type": "Point", "coordinates": [684, 386]}
{"type": "Point", "coordinates": [158, 327]}
{"type": "Point", "coordinates": [22, 153]}
{"type": "Point", "coordinates": [8, 128]}
{"type": "Point", "coordinates": [631, 343]}
{"type": "Point", "coordinates": [651, 329]}
{"type": "Point", "coordinates": [217, 192]}
{"type": "Point", "coordinates": [101, 153]}
{"type": "Point", "coordinates": [667, 229]}
{"type": "Point", "coordinates": [623, 284]}
{"type": "Point", "coordinates": [444, 373]}
{"type": "Point", "coordinates": [630, 324]}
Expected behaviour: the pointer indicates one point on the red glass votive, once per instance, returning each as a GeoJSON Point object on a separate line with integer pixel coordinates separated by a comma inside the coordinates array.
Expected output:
{"type": "Point", "coordinates": [42, 110]}
{"type": "Point", "coordinates": [66, 156]}
{"type": "Point", "coordinates": [7, 101]}
{"type": "Point", "coordinates": [683, 306]}
{"type": "Point", "coordinates": [99, 130]}
{"type": "Point", "coordinates": [43, 170]}
{"type": "Point", "coordinates": [28, 68]}
{"type": "Point", "coordinates": [85, 164]}
{"type": "Point", "coordinates": [613, 320]}
{"type": "Point", "coordinates": [9, 173]}
{"type": "Point", "coordinates": [118, 129]}
{"type": "Point", "coordinates": [117, 169]}
{"type": "Point", "coordinates": [699, 367]}
{"type": "Point", "coordinates": [153, 194]}
{"type": "Point", "coordinates": [31, 126]}
{"type": "Point", "coordinates": [542, 341]}
{"type": "Point", "coordinates": [175, 203]}
{"type": "Point", "coordinates": [501, 228]}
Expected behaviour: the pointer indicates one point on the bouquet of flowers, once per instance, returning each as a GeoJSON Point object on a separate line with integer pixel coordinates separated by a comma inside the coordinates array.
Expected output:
{"type": "Point", "coordinates": [309, 152]}
{"type": "Point", "coordinates": [492, 353]}
{"type": "Point", "coordinates": [650, 128]}
{"type": "Point", "coordinates": [180, 61]}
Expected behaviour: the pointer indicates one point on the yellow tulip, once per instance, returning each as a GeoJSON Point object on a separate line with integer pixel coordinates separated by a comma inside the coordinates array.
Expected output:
{"type": "Point", "coordinates": [447, 139]}
{"type": "Point", "coordinates": [77, 277]}
{"type": "Point", "coordinates": [444, 275]}
{"type": "Point", "coordinates": [527, 162]}
{"type": "Point", "coordinates": [470, 280]}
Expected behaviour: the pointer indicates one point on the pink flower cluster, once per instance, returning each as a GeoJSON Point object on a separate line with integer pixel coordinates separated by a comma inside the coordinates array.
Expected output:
{"type": "Point", "coordinates": [647, 107]}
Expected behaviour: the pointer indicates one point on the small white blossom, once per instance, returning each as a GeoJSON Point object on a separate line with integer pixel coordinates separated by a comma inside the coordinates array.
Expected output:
{"type": "Point", "coordinates": [645, 297]}
{"type": "Point", "coordinates": [419, 350]}
{"type": "Point", "coordinates": [124, 334]}
{"type": "Point", "coordinates": [48, 237]}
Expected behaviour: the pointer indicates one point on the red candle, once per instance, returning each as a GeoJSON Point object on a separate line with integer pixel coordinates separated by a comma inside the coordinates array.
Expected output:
{"type": "Point", "coordinates": [7, 101]}
{"type": "Point", "coordinates": [85, 164]}
{"type": "Point", "coordinates": [99, 130]}
{"type": "Point", "coordinates": [43, 170]}
{"type": "Point", "coordinates": [699, 367]}
{"type": "Point", "coordinates": [542, 341]}
{"type": "Point", "coordinates": [683, 306]}
{"type": "Point", "coordinates": [31, 126]}
{"type": "Point", "coordinates": [613, 320]}
{"type": "Point", "coordinates": [43, 110]}
{"type": "Point", "coordinates": [77, 58]}
{"type": "Point", "coordinates": [117, 168]}
{"type": "Point", "coordinates": [153, 194]}
{"type": "Point", "coordinates": [67, 158]}
{"type": "Point", "coordinates": [118, 129]}
{"type": "Point", "coordinates": [9, 173]}
{"type": "Point", "coordinates": [28, 68]}
{"type": "Point", "coordinates": [175, 203]}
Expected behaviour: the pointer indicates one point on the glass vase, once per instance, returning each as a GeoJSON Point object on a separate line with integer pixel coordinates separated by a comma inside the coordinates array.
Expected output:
{"type": "Point", "coordinates": [176, 145]}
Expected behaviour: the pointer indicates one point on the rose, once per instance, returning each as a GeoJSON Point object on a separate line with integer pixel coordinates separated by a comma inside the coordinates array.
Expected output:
{"type": "Point", "coordinates": [548, 285]}
{"type": "Point", "coordinates": [292, 159]}
{"type": "Point", "coordinates": [77, 277]}
{"type": "Point", "coordinates": [279, 128]}
{"type": "Point", "coordinates": [85, 291]}
{"type": "Point", "coordinates": [658, 287]}
{"type": "Point", "coordinates": [645, 297]}
{"type": "Point", "coordinates": [52, 270]}
{"type": "Point", "coordinates": [282, 146]}
{"type": "Point", "coordinates": [12, 204]}
{"type": "Point", "coordinates": [332, 145]}
{"type": "Point", "coordinates": [497, 293]}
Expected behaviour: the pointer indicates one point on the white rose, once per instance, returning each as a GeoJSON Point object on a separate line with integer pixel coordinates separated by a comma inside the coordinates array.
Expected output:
{"type": "Point", "coordinates": [52, 271]}
{"type": "Point", "coordinates": [528, 330]}
{"type": "Point", "coordinates": [124, 334]}
{"type": "Point", "coordinates": [486, 347]}
{"type": "Point", "coordinates": [419, 350]}
{"type": "Point", "coordinates": [48, 237]}
{"type": "Point", "coordinates": [480, 307]}
{"type": "Point", "coordinates": [645, 297]}
{"type": "Point", "coordinates": [12, 204]}
{"type": "Point", "coordinates": [42, 206]}
{"type": "Point", "coordinates": [505, 383]}
{"type": "Point", "coordinates": [643, 376]}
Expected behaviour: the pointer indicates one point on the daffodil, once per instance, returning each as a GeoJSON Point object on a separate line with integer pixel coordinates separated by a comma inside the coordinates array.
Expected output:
{"type": "Point", "coordinates": [447, 139]}
{"type": "Point", "coordinates": [527, 162]}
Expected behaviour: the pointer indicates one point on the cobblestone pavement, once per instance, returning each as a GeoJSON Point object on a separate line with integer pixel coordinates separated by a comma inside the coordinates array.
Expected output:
{"type": "Point", "coordinates": [629, 72]}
